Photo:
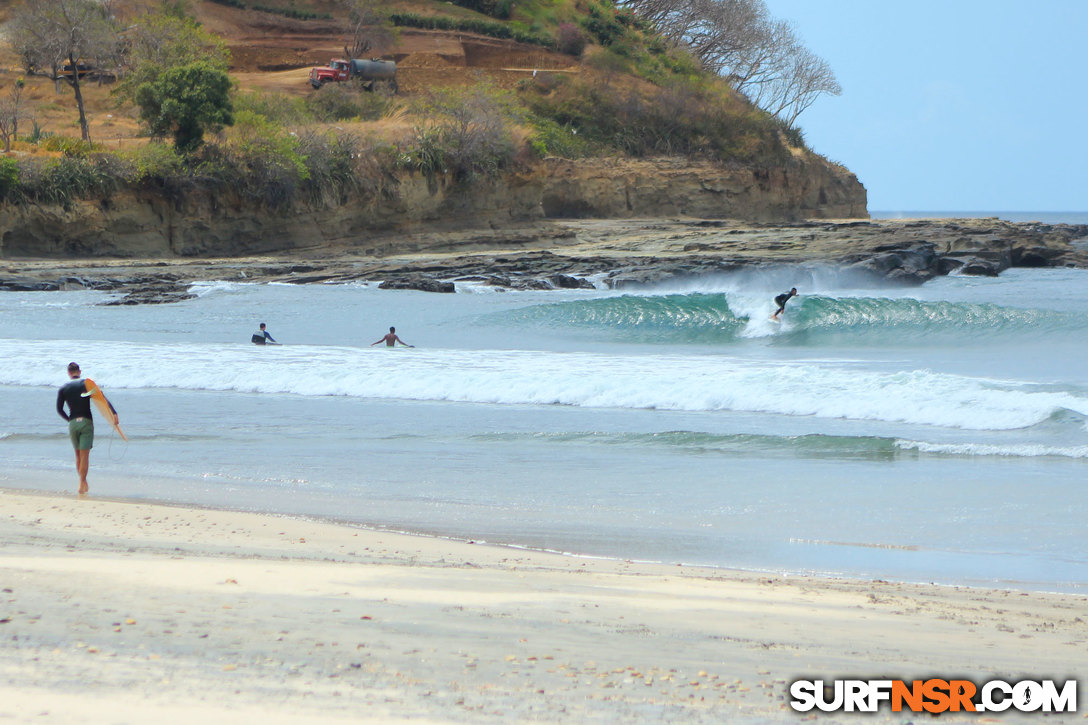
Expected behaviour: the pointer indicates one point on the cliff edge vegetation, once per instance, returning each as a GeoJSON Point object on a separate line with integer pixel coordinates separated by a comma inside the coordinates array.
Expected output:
{"type": "Point", "coordinates": [200, 117]}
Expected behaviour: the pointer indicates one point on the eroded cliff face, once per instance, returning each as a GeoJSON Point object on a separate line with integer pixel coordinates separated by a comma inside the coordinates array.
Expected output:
{"type": "Point", "coordinates": [141, 223]}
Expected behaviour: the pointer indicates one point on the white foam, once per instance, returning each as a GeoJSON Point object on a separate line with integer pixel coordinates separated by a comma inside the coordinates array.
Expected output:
{"type": "Point", "coordinates": [670, 382]}
{"type": "Point", "coordinates": [980, 449]}
{"type": "Point", "coordinates": [204, 289]}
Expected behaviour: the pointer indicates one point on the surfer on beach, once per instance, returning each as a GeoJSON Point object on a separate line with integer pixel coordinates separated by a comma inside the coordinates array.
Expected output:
{"type": "Point", "coordinates": [80, 424]}
{"type": "Point", "coordinates": [262, 337]}
{"type": "Point", "coordinates": [391, 339]}
{"type": "Point", "coordinates": [781, 301]}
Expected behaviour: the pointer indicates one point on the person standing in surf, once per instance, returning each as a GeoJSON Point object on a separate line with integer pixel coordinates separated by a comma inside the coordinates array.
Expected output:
{"type": "Point", "coordinates": [262, 337]}
{"type": "Point", "coordinates": [74, 394]}
{"type": "Point", "coordinates": [391, 339]}
{"type": "Point", "coordinates": [781, 301]}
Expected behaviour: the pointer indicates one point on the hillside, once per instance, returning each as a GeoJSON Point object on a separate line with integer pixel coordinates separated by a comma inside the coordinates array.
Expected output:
{"type": "Point", "coordinates": [482, 129]}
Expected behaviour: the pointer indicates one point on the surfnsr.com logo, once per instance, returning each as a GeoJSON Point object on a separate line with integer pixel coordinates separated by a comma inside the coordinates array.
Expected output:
{"type": "Point", "coordinates": [933, 695]}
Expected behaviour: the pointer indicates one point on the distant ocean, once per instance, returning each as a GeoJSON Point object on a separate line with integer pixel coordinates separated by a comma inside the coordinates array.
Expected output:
{"type": "Point", "coordinates": [936, 433]}
{"type": "Point", "coordinates": [1046, 217]}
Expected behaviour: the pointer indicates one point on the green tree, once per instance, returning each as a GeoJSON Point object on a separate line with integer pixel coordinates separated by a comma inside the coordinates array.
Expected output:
{"type": "Point", "coordinates": [166, 39]}
{"type": "Point", "coordinates": [185, 102]}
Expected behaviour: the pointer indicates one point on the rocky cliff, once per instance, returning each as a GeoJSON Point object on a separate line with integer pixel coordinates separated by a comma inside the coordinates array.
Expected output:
{"type": "Point", "coordinates": [142, 223]}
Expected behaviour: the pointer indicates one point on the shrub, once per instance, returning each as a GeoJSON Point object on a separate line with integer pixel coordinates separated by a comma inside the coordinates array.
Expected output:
{"type": "Point", "coordinates": [157, 163]}
{"type": "Point", "coordinates": [59, 181]}
{"type": "Point", "coordinates": [500, 9]}
{"type": "Point", "coordinates": [279, 107]}
{"type": "Point", "coordinates": [292, 13]}
{"type": "Point", "coordinates": [469, 135]}
{"type": "Point", "coordinates": [551, 139]}
{"type": "Point", "coordinates": [470, 25]}
{"type": "Point", "coordinates": [67, 145]}
{"type": "Point", "coordinates": [289, 12]}
{"type": "Point", "coordinates": [262, 161]}
{"type": "Point", "coordinates": [9, 178]}
{"type": "Point", "coordinates": [609, 63]}
{"type": "Point", "coordinates": [346, 101]}
{"type": "Point", "coordinates": [426, 152]}
{"type": "Point", "coordinates": [603, 24]}
{"type": "Point", "coordinates": [682, 119]}
{"type": "Point", "coordinates": [37, 134]}
{"type": "Point", "coordinates": [569, 39]}
{"type": "Point", "coordinates": [794, 136]}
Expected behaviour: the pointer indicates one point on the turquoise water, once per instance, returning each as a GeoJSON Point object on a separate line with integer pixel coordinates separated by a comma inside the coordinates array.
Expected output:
{"type": "Point", "coordinates": [928, 434]}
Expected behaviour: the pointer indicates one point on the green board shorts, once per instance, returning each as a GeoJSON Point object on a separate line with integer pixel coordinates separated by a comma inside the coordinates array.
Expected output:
{"type": "Point", "coordinates": [82, 434]}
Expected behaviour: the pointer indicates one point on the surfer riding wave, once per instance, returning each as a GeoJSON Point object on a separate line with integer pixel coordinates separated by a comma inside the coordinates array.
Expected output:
{"type": "Point", "coordinates": [781, 301]}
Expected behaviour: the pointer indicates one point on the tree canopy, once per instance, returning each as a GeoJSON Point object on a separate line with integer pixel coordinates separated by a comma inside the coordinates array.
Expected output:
{"type": "Point", "coordinates": [186, 101]}
{"type": "Point", "coordinates": [167, 39]}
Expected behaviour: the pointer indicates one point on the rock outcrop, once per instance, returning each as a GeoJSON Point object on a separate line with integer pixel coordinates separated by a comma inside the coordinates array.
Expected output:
{"type": "Point", "coordinates": [619, 254]}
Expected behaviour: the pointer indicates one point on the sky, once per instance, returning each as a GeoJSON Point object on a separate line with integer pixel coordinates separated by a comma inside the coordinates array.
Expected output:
{"type": "Point", "coordinates": [947, 105]}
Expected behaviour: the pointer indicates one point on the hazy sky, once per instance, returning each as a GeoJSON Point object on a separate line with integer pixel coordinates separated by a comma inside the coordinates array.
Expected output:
{"type": "Point", "coordinates": [953, 104]}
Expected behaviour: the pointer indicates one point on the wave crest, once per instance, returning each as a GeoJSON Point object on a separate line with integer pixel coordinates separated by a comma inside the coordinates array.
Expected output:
{"type": "Point", "coordinates": [724, 318]}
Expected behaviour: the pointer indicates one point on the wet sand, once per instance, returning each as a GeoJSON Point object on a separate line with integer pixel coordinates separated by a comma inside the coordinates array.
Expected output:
{"type": "Point", "coordinates": [125, 611]}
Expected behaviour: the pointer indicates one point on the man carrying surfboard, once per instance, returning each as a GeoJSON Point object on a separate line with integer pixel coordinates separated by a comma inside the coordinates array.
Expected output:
{"type": "Point", "coordinates": [781, 301]}
{"type": "Point", "coordinates": [76, 395]}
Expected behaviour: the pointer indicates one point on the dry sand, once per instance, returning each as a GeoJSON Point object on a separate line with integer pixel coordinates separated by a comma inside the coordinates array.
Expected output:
{"type": "Point", "coordinates": [122, 611]}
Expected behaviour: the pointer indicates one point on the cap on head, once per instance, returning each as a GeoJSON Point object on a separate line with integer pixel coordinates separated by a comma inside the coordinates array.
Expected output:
{"type": "Point", "coordinates": [73, 367]}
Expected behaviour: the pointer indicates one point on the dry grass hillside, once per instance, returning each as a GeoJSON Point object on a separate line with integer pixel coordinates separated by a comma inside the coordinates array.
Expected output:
{"type": "Point", "coordinates": [273, 53]}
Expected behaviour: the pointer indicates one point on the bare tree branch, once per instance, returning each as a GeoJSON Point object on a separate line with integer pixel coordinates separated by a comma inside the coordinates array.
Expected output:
{"type": "Point", "coordinates": [368, 28]}
{"type": "Point", "coordinates": [49, 36]}
{"type": "Point", "coordinates": [761, 57]}
{"type": "Point", "coordinates": [11, 113]}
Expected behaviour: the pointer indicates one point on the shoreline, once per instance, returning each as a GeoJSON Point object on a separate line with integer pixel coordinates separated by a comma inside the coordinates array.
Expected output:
{"type": "Point", "coordinates": [708, 570]}
{"type": "Point", "coordinates": [116, 609]}
{"type": "Point", "coordinates": [564, 254]}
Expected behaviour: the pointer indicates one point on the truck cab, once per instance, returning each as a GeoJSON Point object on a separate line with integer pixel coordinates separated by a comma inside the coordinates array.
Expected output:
{"type": "Point", "coordinates": [337, 70]}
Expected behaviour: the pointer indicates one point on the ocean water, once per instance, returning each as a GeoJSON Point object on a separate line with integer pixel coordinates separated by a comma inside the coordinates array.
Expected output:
{"type": "Point", "coordinates": [936, 433]}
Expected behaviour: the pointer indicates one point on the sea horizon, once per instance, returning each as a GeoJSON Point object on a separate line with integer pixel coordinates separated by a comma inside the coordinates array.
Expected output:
{"type": "Point", "coordinates": [1043, 217]}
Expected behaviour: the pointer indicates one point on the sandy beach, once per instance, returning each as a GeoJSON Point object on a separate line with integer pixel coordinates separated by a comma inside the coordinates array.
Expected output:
{"type": "Point", "coordinates": [124, 611]}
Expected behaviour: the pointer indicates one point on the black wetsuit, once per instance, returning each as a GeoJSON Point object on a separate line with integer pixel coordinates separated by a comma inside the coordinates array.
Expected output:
{"type": "Point", "coordinates": [781, 301]}
{"type": "Point", "coordinates": [259, 338]}
{"type": "Point", "coordinates": [72, 394]}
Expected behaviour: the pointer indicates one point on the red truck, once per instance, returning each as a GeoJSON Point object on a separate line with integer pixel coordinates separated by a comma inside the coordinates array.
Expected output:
{"type": "Point", "coordinates": [369, 73]}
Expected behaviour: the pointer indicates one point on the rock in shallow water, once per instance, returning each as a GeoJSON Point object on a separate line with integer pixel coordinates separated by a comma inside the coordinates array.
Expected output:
{"type": "Point", "coordinates": [419, 282]}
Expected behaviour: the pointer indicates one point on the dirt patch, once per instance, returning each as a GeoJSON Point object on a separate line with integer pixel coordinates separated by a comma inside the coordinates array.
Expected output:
{"type": "Point", "coordinates": [425, 60]}
{"type": "Point", "coordinates": [485, 54]}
